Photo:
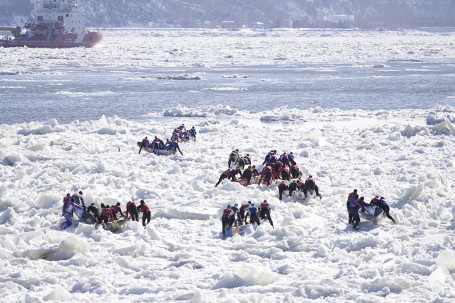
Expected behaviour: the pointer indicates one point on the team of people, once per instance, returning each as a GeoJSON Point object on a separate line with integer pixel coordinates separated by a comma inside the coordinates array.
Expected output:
{"type": "Point", "coordinates": [107, 213]}
{"type": "Point", "coordinates": [180, 134]}
{"type": "Point", "coordinates": [238, 215]}
{"type": "Point", "coordinates": [354, 204]}
{"type": "Point", "coordinates": [282, 167]}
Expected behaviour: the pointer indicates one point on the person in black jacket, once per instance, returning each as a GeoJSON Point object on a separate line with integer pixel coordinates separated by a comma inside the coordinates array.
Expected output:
{"type": "Point", "coordinates": [382, 204]}
{"type": "Point", "coordinates": [281, 188]}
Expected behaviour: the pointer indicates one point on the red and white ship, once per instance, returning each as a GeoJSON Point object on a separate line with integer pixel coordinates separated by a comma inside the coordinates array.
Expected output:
{"type": "Point", "coordinates": [58, 24]}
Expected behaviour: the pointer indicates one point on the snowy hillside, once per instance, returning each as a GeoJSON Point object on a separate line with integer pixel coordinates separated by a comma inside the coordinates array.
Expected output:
{"type": "Point", "coordinates": [300, 13]}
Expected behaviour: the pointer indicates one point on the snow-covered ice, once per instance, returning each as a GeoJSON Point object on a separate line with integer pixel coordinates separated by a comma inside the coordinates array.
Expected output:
{"type": "Point", "coordinates": [404, 154]}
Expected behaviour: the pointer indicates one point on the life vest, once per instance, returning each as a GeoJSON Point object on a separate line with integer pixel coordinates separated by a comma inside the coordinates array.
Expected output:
{"type": "Point", "coordinates": [130, 204]}
{"type": "Point", "coordinates": [227, 212]}
{"type": "Point", "coordinates": [253, 210]}
{"type": "Point", "coordinates": [227, 172]}
{"type": "Point", "coordinates": [66, 199]}
{"type": "Point", "coordinates": [243, 206]}
{"type": "Point", "coordinates": [144, 208]}
{"type": "Point", "coordinates": [353, 202]}
{"type": "Point", "coordinates": [264, 205]}
{"type": "Point", "coordinates": [105, 212]}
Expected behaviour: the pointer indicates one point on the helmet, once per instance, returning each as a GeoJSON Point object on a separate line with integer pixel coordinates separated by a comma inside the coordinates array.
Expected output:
{"type": "Point", "coordinates": [118, 204]}
{"type": "Point", "coordinates": [80, 192]}
{"type": "Point", "coordinates": [382, 198]}
{"type": "Point", "coordinates": [229, 206]}
{"type": "Point", "coordinates": [265, 200]}
{"type": "Point", "coordinates": [142, 201]}
{"type": "Point", "coordinates": [249, 202]}
{"type": "Point", "coordinates": [236, 204]}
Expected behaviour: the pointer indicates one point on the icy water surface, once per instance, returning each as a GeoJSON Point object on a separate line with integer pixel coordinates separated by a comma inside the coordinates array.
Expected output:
{"type": "Point", "coordinates": [138, 71]}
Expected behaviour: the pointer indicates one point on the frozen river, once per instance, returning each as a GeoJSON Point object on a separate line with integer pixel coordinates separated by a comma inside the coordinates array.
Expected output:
{"type": "Point", "coordinates": [140, 71]}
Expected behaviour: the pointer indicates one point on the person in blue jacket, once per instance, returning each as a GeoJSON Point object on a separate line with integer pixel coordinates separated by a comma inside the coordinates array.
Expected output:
{"type": "Point", "coordinates": [67, 213]}
{"type": "Point", "coordinates": [193, 133]}
{"type": "Point", "coordinates": [291, 158]}
{"type": "Point", "coordinates": [157, 143]}
{"type": "Point", "coordinates": [235, 212]}
{"type": "Point", "coordinates": [173, 145]}
{"type": "Point", "coordinates": [254, 214]}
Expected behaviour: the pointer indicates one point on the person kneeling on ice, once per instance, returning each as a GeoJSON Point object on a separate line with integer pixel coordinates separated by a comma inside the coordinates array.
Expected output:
{"type": "Point", "coordinates": [131, 210]}
{"type": "Point", "coordinates": [382, 204]}
{"type": "Point", "coordinates": [146, 214]}
{"type": "Point", "coordinates": [67, 213]}
{"type": "Point", "coordinates": [254, 214]}
{"type": "Point", "coordinates": [264, 212]}
{"type": "Point", "coordinates": [226, 174]}
{"type": "Point", "coordinates": [225, 218]}
{"type": "Point", "coordinates": [310, 185]}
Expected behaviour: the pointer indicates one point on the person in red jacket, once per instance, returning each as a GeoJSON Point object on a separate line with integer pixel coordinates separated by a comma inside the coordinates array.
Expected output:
{"type": "Point", "coordinates": [285, 174]}
{"type": "Point", "coordinates": [227, 213]}
{"type": "Point", "coordinates": [295, 171]}
{"type": "Point", "coordinates": [264, 212]}
{"type": "Point", "coordinates": [310, 185]}
{"type": "Point", "coordinates": [118, 210]}
{"type": "Point", "coordinates": [226, 174]}
{"type": "Point", "coordinates": [146, 214]}
{"type": "Point", "coordinates": [266, 175]}
{"type": "Point", "coordinates": [105, 214]}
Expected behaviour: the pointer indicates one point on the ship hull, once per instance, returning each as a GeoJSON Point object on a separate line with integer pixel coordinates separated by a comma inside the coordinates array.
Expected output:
{"type": "Point", "coordinates": [90, 40]}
